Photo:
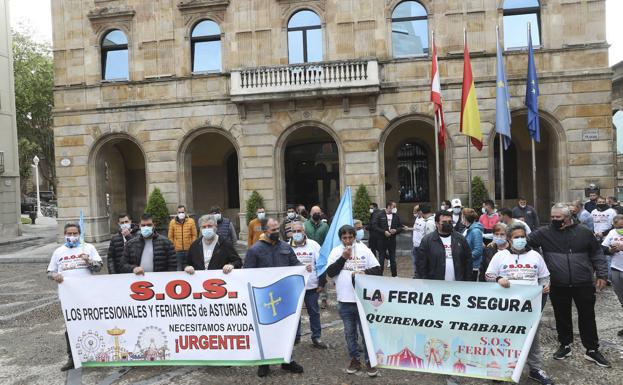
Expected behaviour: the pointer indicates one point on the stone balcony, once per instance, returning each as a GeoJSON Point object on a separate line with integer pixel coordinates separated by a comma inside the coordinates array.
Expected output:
{"type": "Point", "coordinates": [303, 81]}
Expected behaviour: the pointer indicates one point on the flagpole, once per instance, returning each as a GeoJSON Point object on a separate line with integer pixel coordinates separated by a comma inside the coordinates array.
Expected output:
{"type": "Point", "coordinates": [437, 142]}
{"type": "Point", "coordinates": [497, 34]}
{"type": "Point", "coordinates": [469, 155]}
{"type": "Point", "coordinates": [533, 147]}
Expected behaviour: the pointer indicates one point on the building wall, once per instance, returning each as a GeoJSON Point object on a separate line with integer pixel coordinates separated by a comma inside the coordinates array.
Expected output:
{"type": "Point", "coordinates": [164, 105]}
{"type": "Point", "coordinates": [9, 179]}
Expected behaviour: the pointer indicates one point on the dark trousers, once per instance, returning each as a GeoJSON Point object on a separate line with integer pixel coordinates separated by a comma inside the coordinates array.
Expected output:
{"type": "Point", "coordinates": [584, 299]}
{"type": "Point", "coordinates": [68, 345]}
{"type": "Point", "coordinates": [387, 250]}
{"type": "Point", "coordinates": [180, 256]}
{"type": "Point", "coordinates": [311, 303]}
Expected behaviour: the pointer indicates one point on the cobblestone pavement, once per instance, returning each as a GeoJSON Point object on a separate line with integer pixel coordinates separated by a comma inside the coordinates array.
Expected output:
{"type": "Point", "coordinates": [32, 346]}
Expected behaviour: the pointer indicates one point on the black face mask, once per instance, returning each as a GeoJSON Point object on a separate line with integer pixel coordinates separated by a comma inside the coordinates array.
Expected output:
{"type": "Point", "coordinates": [446, 228]}
{"type": "Point", "coordinates": [602, 207]}
{"type": "Point", "coordinates": [316, 217]}
{"type": "Point", "coordinates": [274, 237]}
{"type": "Point", "coordinates": [557, 223]}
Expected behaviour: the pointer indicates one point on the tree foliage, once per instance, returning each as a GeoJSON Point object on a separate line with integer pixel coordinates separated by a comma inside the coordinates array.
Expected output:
{"type": "Point", "coordinates": [254, 202]}
{"type": "Point", "coordinates": [361, 206]}
{"type": "Point", "coordinates": [157, 208]}
{"type": "Point", "coordinates": [479, 193]}
{"type": "Point", "coordinates": [34, 81]}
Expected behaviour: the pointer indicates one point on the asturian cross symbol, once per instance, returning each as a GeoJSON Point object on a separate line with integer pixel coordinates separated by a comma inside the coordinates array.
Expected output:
{"type": "Point", "coordinates": [272, 303]}
{"type": "Point", "coordinates": [500, 84]}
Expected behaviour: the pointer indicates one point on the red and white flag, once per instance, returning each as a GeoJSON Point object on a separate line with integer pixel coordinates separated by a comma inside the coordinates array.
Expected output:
{"type": "Point", "coordinates": [435, 97]}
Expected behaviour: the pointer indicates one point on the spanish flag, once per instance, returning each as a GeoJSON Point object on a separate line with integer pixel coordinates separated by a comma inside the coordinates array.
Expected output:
{"type": "Point", "coordinates": [470, 115]}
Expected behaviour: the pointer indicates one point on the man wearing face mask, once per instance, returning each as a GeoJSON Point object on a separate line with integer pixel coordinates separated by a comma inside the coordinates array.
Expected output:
{"type": "Point", "coordinates": [473, 236]}
{"type": "Point", "coordinates": [523, 210]}
{"type": "Point", "coordinates": [445, 205]}
{"type": "Point", "coordinates": [307, 252]}
{"type": "Point", "coordinates": [372, 237]}
{"type": "Point", "coordinates": [73, 259]}
{"type": "Point", "coordinates": [255, 227]}
{"type": "Point", "coordinates": [489, 217]}
{"type": "Point", "coordinates": [272, 252]}
{"type": "Point", "coordinates": [506, 217]}
{"type": "Point", "coordinates": [210, 252]}
{"type": "Point", "coordinates": [148, 252]}
{"type": "Point", "coordinates": [457, 215]}
{"type": "Point", "coordinates": [315, 227]}
{"type": "Point", "coordinates": [444, 254]}
{"type": "Point", "coordinates": [285, 230]}
{"type": "Point", "coordinates": [419, 230]}
{"type": "Point", "coordinates": [182, 232]}
{"type": "Point", "coordinates": [573, 256]}
{"type": "Point", "coordinates": [118, 241]}
{"type": "Point", "coordinates": [581, 216]}
{"type": "Point", "coordinates": [613, 247]}
{"type": "Point", "coordinates": [224, 226]}
{"type": "Point", "coordinates": [602, 218]}
{"type": "Point", "coordinates": [387, 226]}
{"type": "Point", "coordinates": [593, 194]}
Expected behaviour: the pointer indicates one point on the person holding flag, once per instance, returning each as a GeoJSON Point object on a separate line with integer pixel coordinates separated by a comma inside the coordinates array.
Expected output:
{"type": "Point", "coordinates": [74, 258]}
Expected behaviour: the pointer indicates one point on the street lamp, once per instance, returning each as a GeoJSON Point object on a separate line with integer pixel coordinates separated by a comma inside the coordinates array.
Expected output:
{"type": "Point", "coordinates": [35, 160]}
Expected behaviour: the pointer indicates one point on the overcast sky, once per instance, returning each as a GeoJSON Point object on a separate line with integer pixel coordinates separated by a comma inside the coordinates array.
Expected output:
{"type": "Point", "coordinates": [39, 21]}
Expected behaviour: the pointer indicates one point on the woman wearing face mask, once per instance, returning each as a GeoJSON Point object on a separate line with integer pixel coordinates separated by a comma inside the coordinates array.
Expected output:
{"type": "Point", "coordinates": [211, 252]}
{"type": "Point", "coordinates": [499, 243]}
{"type": "Point", "coordinates": [613, 247]}
{"type": "Point", "coordinates": [520, 265]}
{"type": "Point", "coordinates": [473, 235]}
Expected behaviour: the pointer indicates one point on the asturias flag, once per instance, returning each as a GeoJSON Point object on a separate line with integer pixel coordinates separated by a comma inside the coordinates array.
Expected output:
{"type": "Point", "coordinates": [343, 216]}
{"type": "Point", "coordinates": [279, 300]}
{"type": "Point", "coordinates": [470, 115]}
{"type": "Point", "coordinates": [532, 95]}
{"type": "Point", "coordinates": [435, 97]}
{"type": "Point", "coordinates": [502, 101]}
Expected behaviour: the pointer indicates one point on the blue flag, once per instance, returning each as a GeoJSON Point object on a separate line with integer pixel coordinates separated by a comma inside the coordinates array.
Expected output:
{"type": "Point", "coordinates": [343, 216]}
{"type": "Point", "coordinates": [502, 101]}
{"type": "Point", "coordinates": [279, 300]}
{"type": "Point", "coordinates": [532, 95]}
{"type": "Point", "coordinates": [81, 224]}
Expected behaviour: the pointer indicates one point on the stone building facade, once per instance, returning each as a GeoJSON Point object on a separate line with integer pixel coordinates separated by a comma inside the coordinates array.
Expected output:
{"type": "Point", "coordinates": [264, 97]}
{"type": "Point", "coordinates": [9, 164]}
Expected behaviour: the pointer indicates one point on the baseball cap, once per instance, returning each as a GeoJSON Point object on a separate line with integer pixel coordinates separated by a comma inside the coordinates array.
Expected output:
{"type": "Point", "coordinates": [456, 202]}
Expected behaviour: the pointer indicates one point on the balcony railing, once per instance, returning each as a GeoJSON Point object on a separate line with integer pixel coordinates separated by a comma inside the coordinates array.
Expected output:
{"type": "Point", "coordinates": [305, 77]}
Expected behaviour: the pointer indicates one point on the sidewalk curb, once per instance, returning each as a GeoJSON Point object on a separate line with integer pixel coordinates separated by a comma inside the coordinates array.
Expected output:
{"type": "Point", "coordinates": [16, 241]}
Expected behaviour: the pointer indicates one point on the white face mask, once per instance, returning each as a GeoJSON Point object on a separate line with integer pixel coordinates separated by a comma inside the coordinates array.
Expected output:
{"type": "Point", "coordinates": [181, 216]}
{"type": "Point", "coordinates": [217, 217]}
{"type": "Point", "coordinates": [371, 211]}
{"type": "Point", "coordinates": [443, 207]}
{"type": "Point", "coordinates": [125, 226]}
{"type": "Point", "coordinates": [394, 210]}
{"type": "Point", "coordinates": [291, 215]}
{"type": "Point", "coordinates": [261, 216]}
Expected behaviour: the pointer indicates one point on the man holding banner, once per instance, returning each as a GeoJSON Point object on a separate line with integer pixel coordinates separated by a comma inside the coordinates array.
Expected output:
{"type": "Point", "coordinates": [345, 261]}
{"type": "Point", "coordinates": [73, 258]}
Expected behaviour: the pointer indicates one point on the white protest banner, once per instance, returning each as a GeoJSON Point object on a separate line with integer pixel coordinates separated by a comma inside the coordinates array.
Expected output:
{"type": "Point", "coordinates": [247, 317]}
{"type": "Point", "coordinates": [457, 328]}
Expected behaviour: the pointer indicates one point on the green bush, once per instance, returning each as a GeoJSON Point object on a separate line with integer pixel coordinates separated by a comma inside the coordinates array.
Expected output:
{"type": "Point", "coordinates": [479, 193]}
{"type": "Point", "coordinates": [254, 202]}
{"type": "Point", "coordinates": [361, 206]}
{"type": "Point", "coordinates": [157, 208]}
{"type": "Point", "coordinates": [26, 221]}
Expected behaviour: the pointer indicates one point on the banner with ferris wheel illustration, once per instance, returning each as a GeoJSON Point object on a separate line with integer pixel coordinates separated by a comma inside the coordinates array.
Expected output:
{"type": "Point", "coordinates": [466, 329]}
{"type": "Point", "coordinates": [246, 317]}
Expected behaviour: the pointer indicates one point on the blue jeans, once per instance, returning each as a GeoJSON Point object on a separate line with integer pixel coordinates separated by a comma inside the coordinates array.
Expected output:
{"type": "Point", "coordinates": [180, 256]}
{"type": "Point", "coordinates": [350, 316]}
{"type": "Point", "coordinates": [313, 310]}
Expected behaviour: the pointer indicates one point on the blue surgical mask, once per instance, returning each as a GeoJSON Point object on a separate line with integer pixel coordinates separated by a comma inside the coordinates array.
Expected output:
{"type": "Point", "coordinates": [261, 216]}
{"type": "Point", "coordinates": [297, 237]}
{"type": "Point", "coordinates": [359, 234]}
{"type": "Point", "coordinates": [125, 226]}
{"type": "Point", "coordinates": [520, 243]}
{"type": "Point", "coordinates": [499, 240]}
{"type": "Point", "coordinates": [147, 231]}
{"type": "Point", "coordinates": [208, 233]}
{"type": "Point", "coordinates": [71, 241]}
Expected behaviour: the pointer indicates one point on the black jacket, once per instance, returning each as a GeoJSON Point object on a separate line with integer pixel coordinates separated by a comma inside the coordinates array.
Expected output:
{"type": "Point", "coordinates": [572, 255]}
{"type": "Point", "coordinates": [223, 254]}
{"type": "Point", "coordinates": [115, 250]}
{"type": "Point", "coordinates": [459, 227]}
{"type": "Point", "coordinates": [164, 254]}
{"type": "Point", "coordinates": [487, 255]}
{"type": "Point", "coordinates": [431, 258]}
{"type": "Point", "coordinates": [380, 226]}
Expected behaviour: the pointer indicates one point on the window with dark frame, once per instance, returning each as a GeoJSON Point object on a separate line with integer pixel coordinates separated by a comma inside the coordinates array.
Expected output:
{"type": "Point", "coordinates": [205, 47]}
{"type": "Point", "coordinates": [304, 38]}
{"type": "Point", "coordinates": [517, 15]}
{"type": "Point", "coordinates": [413, 173]}
{"type": "Point", "coordinates": [115, 56]}
{"type": "Point", "coordinates": [410, 30]}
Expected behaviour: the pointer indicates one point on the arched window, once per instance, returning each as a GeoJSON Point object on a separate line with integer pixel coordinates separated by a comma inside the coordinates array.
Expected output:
{"type": "Point", "coordinates": [115, 56]}
{"type": "Point", "coordinates": [205, 47]}
{"type": "Point", "coordinates": [517, 15]}
{"type": "Point", "coordinates": [409, 29]}
{"type": "Point", "coordinates": [304, 38]}
{"type": "Point", "coordinates": [413, 173]}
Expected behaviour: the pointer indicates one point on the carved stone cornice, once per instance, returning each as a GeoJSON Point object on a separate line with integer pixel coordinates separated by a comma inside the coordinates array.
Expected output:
{"type": "Point", "coordinates": [106, 13]}
{"type": "Point", "coordinates": [202, 5]}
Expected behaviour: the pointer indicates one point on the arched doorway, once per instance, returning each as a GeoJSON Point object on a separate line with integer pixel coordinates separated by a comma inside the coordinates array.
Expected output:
{"type": "Point", "coordinates": [120, 179]}
{"type": "Point", "coordinates": [518, 165]}
{"type": "Point", "coordinates": [210, 164]}
{"type": "Point", "coordinates": [409, 164]}
{"type": "Point", "coordinates": [312, 169]}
